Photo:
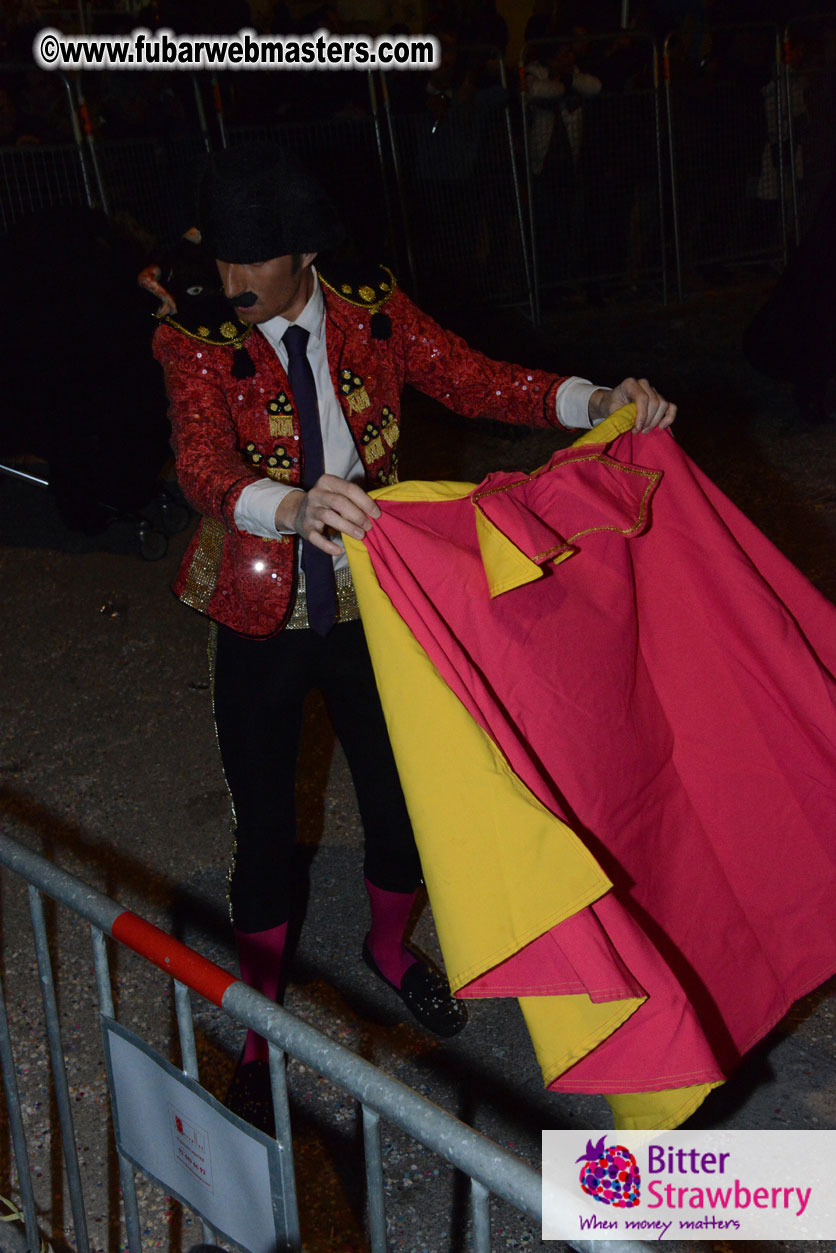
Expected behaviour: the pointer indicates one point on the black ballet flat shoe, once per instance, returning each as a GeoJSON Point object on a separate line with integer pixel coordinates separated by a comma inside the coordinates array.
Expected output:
{"type": "Point", "coordinates": [426, 994]}
{"type": "Point", "coordinates": [249, 1096]}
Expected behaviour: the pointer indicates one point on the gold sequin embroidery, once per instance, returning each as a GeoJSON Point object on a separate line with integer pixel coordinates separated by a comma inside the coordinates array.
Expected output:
{"type": "Point", "coordinates": [373, 448]}
{"type": "Point", "coordinates": [351, 386]}
{"type": "Point", "coordinates": [347, 607]}
{"type": "Point", "coordinates": [389, 426]}
{"type": "Point", "coordinates": [279, 465]}
{"type": "Point", "coordinates": [202, 575]}
{"type": "Point", "coordinates": [366, 297]}
{"type": "Point", "coordinates": [280, 416]}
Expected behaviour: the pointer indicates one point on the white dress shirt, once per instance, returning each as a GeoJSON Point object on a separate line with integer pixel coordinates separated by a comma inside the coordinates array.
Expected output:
{"type": "Point", "coordinates": [256, 506]}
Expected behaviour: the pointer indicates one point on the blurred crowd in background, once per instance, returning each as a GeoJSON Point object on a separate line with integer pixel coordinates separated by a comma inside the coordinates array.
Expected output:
{"type": "Point", "coordinates": [557, 142]}
{"type": "Point", "coordinates": [474, 34]}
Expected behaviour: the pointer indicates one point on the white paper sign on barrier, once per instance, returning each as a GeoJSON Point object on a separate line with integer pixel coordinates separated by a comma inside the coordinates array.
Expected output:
{"type": "Point", "coordinates": [174, 1131]}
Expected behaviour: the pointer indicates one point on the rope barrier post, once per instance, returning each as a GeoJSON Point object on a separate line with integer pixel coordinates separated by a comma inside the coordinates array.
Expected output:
{"type": "Point", "coordinates": [107, 1010]}
{"type": "Point", "coordinates": [374, 1180]}
{"type": "Point", "coordinates": [59, 1073]}
{"type": "Point", "coordinates": [19, 1149]}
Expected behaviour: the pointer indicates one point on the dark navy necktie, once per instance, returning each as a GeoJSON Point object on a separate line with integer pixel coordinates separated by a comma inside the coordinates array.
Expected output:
{"type": "Point", "coordinates": [320, 587]}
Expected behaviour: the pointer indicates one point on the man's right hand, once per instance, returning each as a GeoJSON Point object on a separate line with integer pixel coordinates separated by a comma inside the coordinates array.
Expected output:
{"type": "Point", "coordinates": [332, 504]}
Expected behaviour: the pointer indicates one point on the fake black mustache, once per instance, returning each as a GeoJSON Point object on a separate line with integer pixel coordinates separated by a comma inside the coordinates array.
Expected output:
{"type": "Point", "coordinates": [243, 301]}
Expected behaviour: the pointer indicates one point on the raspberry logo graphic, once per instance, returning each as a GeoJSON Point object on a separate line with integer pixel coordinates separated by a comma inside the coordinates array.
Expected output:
{"type": "Point", "coordinates": [610, 1175]}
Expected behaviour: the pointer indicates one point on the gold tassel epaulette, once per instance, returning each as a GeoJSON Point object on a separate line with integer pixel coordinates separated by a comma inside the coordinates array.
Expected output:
{"type": "Point", "coordinates": [369, 292]}
{"type": "Point", "coordinates": [228, 334]}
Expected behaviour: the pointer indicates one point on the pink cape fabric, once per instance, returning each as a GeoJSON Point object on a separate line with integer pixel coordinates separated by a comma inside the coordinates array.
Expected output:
{"type": "Point", "coordinates": [668, 692]}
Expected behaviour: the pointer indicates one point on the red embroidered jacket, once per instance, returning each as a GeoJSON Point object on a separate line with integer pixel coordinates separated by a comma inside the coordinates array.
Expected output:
{"type": "Point", "coordinates": [230, 432]}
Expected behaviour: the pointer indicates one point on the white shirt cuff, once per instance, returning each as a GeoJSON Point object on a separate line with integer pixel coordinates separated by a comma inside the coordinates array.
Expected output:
{"type": "Point", "coordinates": [572, 401]}
{"type": "Point", "coordinates": [255, 509]}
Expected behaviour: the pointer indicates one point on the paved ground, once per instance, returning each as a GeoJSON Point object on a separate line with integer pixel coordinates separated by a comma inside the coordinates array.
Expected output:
{"type": "Point", "coordinates": [109, 767]}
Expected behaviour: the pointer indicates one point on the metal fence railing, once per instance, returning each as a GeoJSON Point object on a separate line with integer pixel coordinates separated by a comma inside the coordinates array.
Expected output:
{"type": "Point", "coordinates": [491, 1169]}
{"type": "Point", "coordinates": [465, 185]}
{"type": "Point", "coordinates": [47, 168]}
{"type": "Point", "coordinates": [145, 146]}
{"type": "Point", "coordinates": [809, 46]}
{"type": "Point", "coordinates": [727, 139]}
{"type": "Point", "coordinates": [153, 180]}
{"type": "Point", "coordinates": [39, 178]}
{"type": "Point", "coordinates": [456, 168]}
{"type": "Point", "coordinates": [592, 131]}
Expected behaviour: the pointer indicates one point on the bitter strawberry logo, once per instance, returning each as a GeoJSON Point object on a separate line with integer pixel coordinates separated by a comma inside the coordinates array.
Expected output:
{"type": "Point", "coordinates": [610, 1174]}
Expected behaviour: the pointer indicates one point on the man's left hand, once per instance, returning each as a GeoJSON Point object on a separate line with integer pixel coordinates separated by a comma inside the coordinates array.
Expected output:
{"type": "Point", "coordinates": [653, 412]}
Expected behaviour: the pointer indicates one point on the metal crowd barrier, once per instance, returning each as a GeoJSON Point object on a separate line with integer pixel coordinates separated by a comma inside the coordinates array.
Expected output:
{"type": "Point", "coordinates": [455, 164]}
{"type": "Point", "coordinates": [810, 90]}
{"type": "Point", "coordinates": [492, 1170]}
{"type": "Point", "coordinates": [40, 175]}
{"type": "Point", "coordinates": [153, 179]}
{"type": "Point", "coordinates": [721, 166]}
{"type": "Point", "coordinates": [594, 162]}
{"type": "Point", "coordinates": [727, 136]}
{"type": "Point", "coordinates": [36, 178]}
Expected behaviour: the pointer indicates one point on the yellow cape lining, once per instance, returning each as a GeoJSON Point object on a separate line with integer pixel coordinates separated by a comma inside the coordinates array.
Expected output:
{"type": "Point", "coordinates": [500, 869]}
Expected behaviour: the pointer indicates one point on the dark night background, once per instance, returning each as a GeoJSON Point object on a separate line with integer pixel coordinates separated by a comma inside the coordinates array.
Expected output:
{"type": "Point", "coordinates": [678, 228]}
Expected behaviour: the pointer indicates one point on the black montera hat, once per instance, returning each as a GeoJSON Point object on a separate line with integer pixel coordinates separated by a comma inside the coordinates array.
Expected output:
{"type": "Point", "coordinates": [256, 202]}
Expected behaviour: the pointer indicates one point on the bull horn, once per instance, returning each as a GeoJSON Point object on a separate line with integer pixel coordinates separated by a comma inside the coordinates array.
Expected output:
{"type": "Point", "coordinates": [149, 279]}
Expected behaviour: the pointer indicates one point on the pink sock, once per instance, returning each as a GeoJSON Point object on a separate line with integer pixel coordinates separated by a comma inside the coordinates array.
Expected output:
{"type": "Point", "coordinates": [260, 956]}
{"type": "Point", "coordinates": [390, 913]}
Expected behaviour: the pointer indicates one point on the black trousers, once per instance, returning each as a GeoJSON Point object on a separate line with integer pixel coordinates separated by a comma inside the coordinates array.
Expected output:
{"type": "Point", "coordinates": [259, 689]}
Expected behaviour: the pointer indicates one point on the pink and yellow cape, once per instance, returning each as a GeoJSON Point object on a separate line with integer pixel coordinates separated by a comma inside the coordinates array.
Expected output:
{"type": "Point", "coordinates": [613, 708]}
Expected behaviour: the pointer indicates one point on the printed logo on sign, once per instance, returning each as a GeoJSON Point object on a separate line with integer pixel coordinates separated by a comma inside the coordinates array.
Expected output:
{"type": "Point", "coordinates": [610, 1174]}
{"type": "Point", "coordinates": [191, 1148]}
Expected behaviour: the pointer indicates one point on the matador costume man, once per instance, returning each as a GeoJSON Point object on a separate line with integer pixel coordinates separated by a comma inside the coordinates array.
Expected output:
{"type": "Point", "coordinates": [286, 412]}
